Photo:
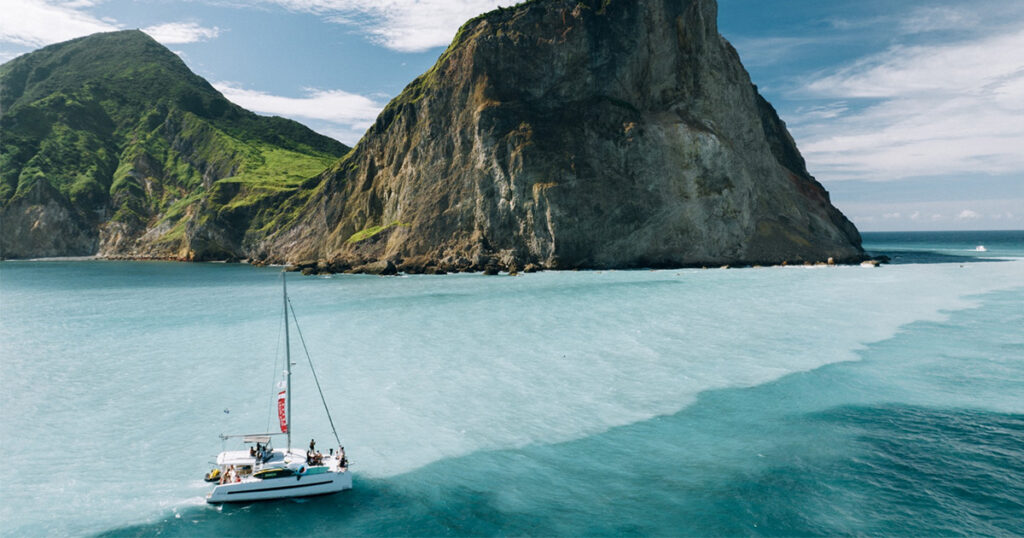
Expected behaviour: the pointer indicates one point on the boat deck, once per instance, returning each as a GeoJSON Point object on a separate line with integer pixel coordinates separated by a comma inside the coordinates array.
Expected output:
{"type": "Point", "coordinates": [245, 464]}
{"type": "Point", "coordinates": [245, 479]}
{"type": "Point", "coordinates": [244, 458]}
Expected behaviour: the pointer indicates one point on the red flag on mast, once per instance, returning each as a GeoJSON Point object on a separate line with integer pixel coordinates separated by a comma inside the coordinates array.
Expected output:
{"type": "Point", "coordinates": [282, 412]}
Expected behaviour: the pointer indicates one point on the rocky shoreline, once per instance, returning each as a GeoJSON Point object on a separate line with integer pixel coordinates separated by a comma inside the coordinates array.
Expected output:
{"type": "Point", "coordinates": [390, 268]}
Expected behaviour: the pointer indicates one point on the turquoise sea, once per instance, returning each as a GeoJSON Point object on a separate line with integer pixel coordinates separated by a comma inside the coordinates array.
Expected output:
{"type": "Point", "coordinates": [741, 402]}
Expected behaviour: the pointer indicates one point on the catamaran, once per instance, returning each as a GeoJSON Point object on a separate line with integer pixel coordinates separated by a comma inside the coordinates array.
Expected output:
{"type": "Point", "coordinates": [263, 472]}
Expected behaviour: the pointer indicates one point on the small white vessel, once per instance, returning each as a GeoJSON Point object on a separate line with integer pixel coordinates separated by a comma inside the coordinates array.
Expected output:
{"type": "Point", "coordinates": [980, 248]}
{"type": "Point", "coordinates": [262, 472]}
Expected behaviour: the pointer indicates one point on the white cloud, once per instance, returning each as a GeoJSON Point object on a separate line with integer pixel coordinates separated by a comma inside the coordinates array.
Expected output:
{"type": "Point", "coordinates": [402, 25]}
{"type": "Point", "coordinates": [824, 112]}
{"type": "Point", "coordinates": [968, 66]}
{"type": "Point", "coordinates": [930, 19]}
{"type": "Point", "coordinates": [34, 23]}
{"type": "Point", "coordinates": [943, 109]}
{"type": "Point", "coordinates": [181, 32]}
{"type": "Point", "coordinates": [940, 215]}
{"type": "Point", "coordinates": [8, 55]}
{"type": "Point", "coordinates": [80, 3]}
{"type": "Point", "coordinates": [336, 113]}
{"type": "Point", "coordinates": [764, 51]}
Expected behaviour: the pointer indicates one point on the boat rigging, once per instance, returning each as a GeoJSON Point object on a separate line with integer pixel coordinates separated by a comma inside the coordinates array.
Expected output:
{"type": "Point", "coordinates": [263, 472]}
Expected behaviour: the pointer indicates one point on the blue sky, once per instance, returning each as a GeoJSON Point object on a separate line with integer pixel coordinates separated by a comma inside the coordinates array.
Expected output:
{"type": "Point", "coordinates": [911, 113]}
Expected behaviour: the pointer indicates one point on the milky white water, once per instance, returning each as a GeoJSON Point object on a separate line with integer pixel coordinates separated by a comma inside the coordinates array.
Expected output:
{"type": "Point", "coordinates": [121, 375]}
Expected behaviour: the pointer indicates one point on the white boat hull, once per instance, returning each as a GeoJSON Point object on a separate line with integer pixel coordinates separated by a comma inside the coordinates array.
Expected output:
{"type": "Point", "coordinates": [281, 488]}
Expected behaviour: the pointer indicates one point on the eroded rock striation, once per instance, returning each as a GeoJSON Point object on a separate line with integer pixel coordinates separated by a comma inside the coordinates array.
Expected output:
{"type": "Point", "coordinates": [573, 134]}
{"type": "Point", "coordinates": [557, 134]}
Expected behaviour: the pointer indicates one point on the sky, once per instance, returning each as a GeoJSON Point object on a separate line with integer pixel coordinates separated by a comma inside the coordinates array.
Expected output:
{"type": "Point", "coordinates": [911, 113]}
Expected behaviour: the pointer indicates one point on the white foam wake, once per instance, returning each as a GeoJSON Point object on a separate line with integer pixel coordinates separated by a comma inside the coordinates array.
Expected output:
{"type": "Point", "coordinates": [557, 356]}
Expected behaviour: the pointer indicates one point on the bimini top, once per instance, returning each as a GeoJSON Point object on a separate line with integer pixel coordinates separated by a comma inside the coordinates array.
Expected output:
{"type": "Point", "coordinates": [244, 457]}
{"type": "Point", "coordinates": [251, 437]}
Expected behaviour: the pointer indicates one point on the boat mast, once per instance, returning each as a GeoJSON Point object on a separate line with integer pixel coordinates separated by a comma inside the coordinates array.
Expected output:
{"type": "Point", "coordinates": [288, 365]}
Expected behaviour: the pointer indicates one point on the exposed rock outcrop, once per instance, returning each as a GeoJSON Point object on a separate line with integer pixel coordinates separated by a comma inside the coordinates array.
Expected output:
{"type": "Point", "coordinates": [42, 223]}
{"type": "Point", "coordinates": [557, 134]}
{"type": "Point", "coordinates": [574, 134]}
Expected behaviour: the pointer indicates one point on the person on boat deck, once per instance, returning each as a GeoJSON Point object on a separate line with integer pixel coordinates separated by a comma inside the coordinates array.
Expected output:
{"type": "Point", "coordinates": [311, 453]}
{"type": "Point", "coordinates": [228, 476]}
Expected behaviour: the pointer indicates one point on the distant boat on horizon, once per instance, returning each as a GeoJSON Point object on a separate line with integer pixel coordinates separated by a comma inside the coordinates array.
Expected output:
{"type": "Point", "coordinates": [264, 473]}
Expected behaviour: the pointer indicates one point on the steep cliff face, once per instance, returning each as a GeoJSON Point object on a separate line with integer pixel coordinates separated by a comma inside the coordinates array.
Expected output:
{"type": "Point", "coordinates": [574, 134]}
{"type": "Point", "coordinates": [110, 145]}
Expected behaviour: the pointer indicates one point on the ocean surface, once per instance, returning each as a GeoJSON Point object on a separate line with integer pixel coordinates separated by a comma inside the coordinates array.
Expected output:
{"type": "Point", "coordinates": [750, 402]}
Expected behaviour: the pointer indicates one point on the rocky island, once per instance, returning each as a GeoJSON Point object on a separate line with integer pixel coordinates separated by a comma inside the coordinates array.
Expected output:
{"type": "Point", "coordinates": [557, 134]}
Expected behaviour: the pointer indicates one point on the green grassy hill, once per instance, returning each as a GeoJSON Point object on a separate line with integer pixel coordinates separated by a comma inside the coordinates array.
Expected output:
{"type": "Point", "coordinates": [110, 145]}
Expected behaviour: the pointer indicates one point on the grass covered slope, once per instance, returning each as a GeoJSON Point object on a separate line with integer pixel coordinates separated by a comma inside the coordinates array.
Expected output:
{"type": "Point", "coordinates": [110, 145]}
